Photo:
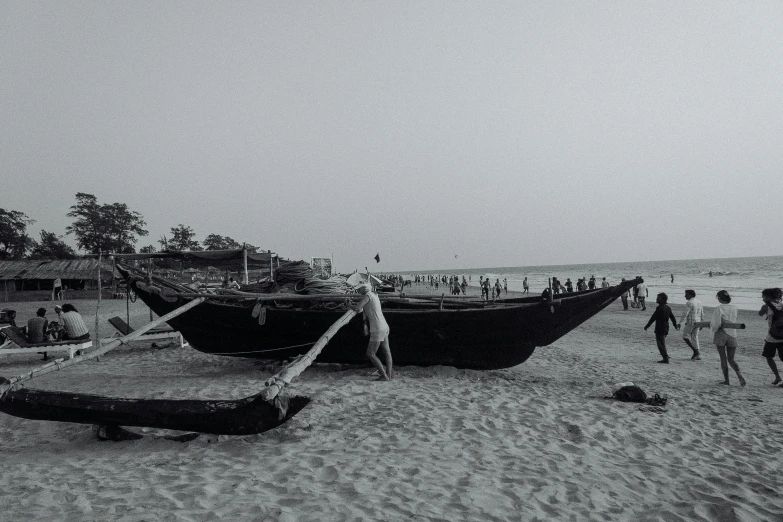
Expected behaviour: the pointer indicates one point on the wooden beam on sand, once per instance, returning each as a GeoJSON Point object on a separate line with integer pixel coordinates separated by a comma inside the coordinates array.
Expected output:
{"type": "Point", "coordinates": [63, 363]}
{"type": "Point", "coordinates": [276, 383]}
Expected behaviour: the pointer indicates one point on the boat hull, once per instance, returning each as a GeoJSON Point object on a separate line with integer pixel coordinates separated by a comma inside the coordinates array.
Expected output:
{"type": "Point", "coordinates": [480, 337]}
{"type": "Point", "coordinates": [224, 417]}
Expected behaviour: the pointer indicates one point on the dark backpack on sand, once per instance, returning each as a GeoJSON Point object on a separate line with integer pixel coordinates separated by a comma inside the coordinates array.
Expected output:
{"type": "Point", "coordinates": [776, 326]}
{"type": "Point", "coordinates": [630, 394]}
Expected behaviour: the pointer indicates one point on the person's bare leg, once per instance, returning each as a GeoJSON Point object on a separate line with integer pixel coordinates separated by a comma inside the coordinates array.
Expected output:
{"type": "Point", "coordinates": [724, 364]}
{"type": "Point", "coordinates": [372, 348]}
{"type": "Point", "coordinates": [774, 368]}
{"type": "Point", "coordinates": [387, 357]}
{"type": "Point", "coordinates": [730, 351]}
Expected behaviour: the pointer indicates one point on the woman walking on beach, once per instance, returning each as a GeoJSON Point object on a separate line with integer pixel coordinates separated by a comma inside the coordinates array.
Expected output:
{"type": "Point", "coordinates": [772, 297]}
{"type": "Point", "coordinates": [725, 337]}
{"type": "Point", "coordinates": [379, 331]}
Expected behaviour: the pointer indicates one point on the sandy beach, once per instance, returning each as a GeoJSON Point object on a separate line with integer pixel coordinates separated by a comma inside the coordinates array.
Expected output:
{"type": "Point", "coordinates": [536, 442]}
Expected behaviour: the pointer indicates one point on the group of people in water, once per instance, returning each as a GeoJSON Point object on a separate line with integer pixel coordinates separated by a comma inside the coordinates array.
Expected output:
{"type": "Point", "coordinates": [723, 328]}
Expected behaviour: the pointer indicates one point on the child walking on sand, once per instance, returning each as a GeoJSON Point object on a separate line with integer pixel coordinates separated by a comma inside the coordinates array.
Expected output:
{"type": "Point", "coordinates": [725, 335]}
{"type": "Point", "coordinates": [772, 297]}
{"type": "Point", "coordinates": [661, 316]}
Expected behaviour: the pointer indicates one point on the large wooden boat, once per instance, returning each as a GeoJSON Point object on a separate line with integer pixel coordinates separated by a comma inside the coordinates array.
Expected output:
{"type": "Point", "coordinates": [465, 334]}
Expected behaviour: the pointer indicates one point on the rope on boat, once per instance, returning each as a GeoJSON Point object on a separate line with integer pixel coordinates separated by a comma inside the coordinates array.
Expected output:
{"type": "Point", "coordinates": [265, 351]}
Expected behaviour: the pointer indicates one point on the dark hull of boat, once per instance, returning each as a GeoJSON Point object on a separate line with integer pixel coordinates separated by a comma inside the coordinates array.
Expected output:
{"type": "Point", "coordinates": [237, 417]}
{"type": "Point", "coordinates": [467, 336]}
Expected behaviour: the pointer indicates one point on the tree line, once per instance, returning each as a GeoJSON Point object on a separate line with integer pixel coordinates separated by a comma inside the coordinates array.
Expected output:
{"type": "Point", "coordinates": [97, 227]}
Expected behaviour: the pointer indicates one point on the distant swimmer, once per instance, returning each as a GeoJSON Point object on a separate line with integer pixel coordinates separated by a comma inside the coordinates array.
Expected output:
{"type": "Point", "coordinates": [710, 273]}
{"type": "Point", "coordinates": [672, 278]}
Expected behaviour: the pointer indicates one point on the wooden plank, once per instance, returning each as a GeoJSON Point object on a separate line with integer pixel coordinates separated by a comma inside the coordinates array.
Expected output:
{"type": "Point", "coordinates": [276, 383]}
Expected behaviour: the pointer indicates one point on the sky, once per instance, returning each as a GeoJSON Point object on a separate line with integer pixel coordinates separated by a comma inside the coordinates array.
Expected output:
{"type": "Point", "coordinates": [437, 134]}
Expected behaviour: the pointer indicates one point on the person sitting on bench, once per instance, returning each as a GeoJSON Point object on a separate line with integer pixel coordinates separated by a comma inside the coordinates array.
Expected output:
{"type": "Point", "coordinates": [73, 325]}
{"type": "Point", "coordinates": [8, 316]}
{"type": "Point", "coordinates": [38, 329]}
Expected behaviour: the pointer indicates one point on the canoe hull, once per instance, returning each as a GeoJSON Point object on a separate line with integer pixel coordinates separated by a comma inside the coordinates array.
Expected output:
{"type": "Point", "coordinates": [232, 417]}
{"type": "Point", "coordinates": [479, 337]}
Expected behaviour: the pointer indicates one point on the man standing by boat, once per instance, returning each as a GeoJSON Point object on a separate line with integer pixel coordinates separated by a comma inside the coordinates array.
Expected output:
{"type": "Point", "coordinates": [379, 330]}
{"type": "Point", "coordinates": [642, 293]}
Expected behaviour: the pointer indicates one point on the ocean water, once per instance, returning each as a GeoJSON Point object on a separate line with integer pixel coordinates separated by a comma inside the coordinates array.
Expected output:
{"type": "Point", "coordinates": [743, 277]}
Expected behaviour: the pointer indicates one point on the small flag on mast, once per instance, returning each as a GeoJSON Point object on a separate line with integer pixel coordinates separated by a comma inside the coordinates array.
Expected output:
{"type": "Point", "coordinates": [378, 257]}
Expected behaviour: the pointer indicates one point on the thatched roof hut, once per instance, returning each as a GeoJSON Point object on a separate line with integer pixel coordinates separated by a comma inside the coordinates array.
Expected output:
{"type": "Point", "coordinates": [40, 274]}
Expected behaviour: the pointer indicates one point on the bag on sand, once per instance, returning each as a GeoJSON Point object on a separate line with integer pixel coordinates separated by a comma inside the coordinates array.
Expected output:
{"type": "Point", "coordinates": [630, 394]}
{"type": "Point", "coordinates": [776, 326]}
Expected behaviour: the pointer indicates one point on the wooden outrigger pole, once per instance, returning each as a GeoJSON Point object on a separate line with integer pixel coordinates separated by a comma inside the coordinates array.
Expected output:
{"type": "Point", "coordinates": [276, 383]}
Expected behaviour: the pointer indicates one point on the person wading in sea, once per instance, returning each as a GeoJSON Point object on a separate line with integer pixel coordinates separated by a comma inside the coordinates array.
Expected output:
{"type": "Point", "coordinates": [379, 330]}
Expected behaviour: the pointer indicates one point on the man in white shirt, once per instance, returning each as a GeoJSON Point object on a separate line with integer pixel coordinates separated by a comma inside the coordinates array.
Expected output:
{"type": "Point", "coordinates": [642, 294]}
{"type": "Point", "coordinates": [692, 314]}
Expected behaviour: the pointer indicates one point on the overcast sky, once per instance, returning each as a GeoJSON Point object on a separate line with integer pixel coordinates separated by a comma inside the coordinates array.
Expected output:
{"type": "Point", "coordinates": [504, 133]}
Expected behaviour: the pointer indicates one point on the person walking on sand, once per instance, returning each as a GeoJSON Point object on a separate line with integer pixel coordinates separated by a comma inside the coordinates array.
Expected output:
{"type": "Point", "coordinates": [505, 286]}
{"type": "Point", "coordinates": [604, 283]}
{"type": "Point", "coordinates": [379, 330]}
{"type": "Point", "coordinates": [525, 287]}
{"type": "Point", "coordinates": [498, 289]}
{"type": "Point", "coordinates": [661, 317]}
{"type": "Point", "coordinates": [690, 316]}
{"type": "Point", "coordinates": [641, 294]}
{"type": "Point", "coordinates": [625, 296]}
{"type": "Point", "coordinates": [772, 297]}
{"type": "Point", "coordinates": [724, 336]}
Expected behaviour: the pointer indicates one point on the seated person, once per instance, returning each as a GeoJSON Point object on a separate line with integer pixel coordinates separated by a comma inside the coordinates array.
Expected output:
{"type": "Point", "coordinates": [8, 316]}
{"type": "Point", "coordinates": [38, 327]}
{"type": "Point", "coordinates": [73, 325]}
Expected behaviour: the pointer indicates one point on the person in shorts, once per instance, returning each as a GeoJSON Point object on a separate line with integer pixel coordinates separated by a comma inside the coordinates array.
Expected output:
{"type": "Point", "coordinates": [379, 331]}
{"type": "Point", "coordinates": [725, 336]}
{"type": "Point", "coordinates": [692, 314]}
{"type": "Point", "coordinates": [772, 297]}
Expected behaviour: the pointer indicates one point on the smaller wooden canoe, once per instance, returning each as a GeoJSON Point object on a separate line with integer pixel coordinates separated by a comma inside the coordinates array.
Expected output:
{"type": "Point", "coordinates": [232, 417]}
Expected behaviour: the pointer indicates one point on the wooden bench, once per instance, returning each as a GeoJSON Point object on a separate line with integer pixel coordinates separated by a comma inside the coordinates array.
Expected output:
{"type": "Point", "coordinates": [16, 343]}
{"type": "Point", "coordinates": [124, 329]}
